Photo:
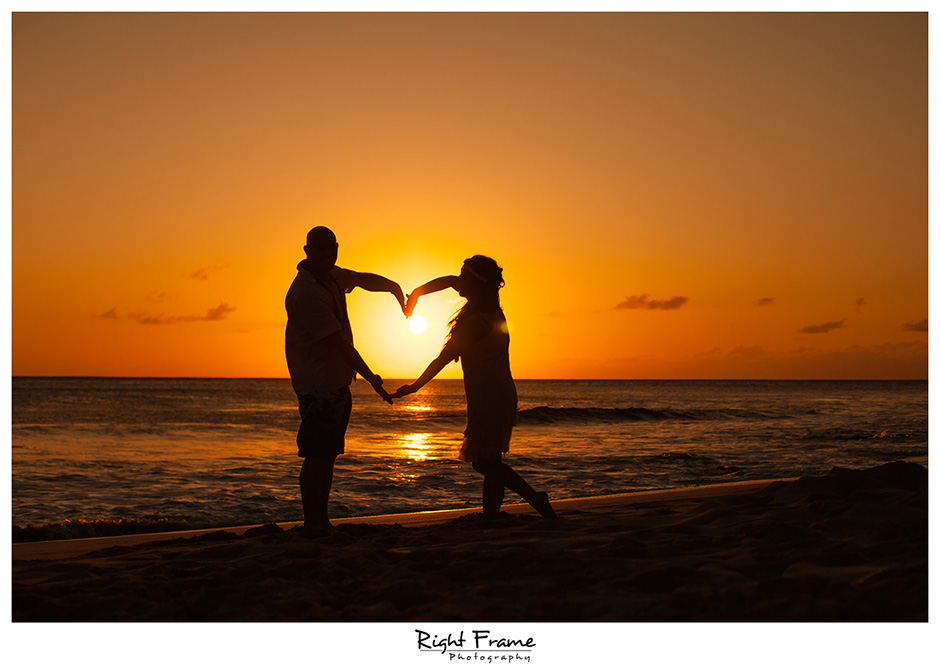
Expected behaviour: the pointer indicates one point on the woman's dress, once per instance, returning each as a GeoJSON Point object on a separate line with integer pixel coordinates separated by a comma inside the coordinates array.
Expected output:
{"type": "Point", "coordinates": [491, 392]}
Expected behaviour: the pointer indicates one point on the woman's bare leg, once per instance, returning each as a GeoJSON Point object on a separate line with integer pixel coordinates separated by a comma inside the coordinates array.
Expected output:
{"type": "Point", "coordinates": [493, 488]}
{"type": "Point", "coordinates": [493, 491]}
{"type": "Point", "coordinates": [497, 475]}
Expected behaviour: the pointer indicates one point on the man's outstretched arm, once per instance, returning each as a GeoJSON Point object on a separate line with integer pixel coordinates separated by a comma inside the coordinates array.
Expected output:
{"type": "Point", "coordinates": [379, 284]}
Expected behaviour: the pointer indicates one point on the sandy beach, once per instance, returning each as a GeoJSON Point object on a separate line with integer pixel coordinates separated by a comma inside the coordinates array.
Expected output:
{"type": "Point", "coordinates": [848, 546]}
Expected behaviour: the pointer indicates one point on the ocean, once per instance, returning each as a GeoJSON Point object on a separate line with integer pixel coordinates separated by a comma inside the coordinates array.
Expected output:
{"type": "Point", "coordinates": [103, 456]}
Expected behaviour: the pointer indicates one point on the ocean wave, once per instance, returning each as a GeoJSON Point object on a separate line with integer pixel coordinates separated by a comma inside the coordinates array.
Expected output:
{"type": "Point", "coordinates": [550, 415]}
{"type": "Point", "coordinates": [85, 529]}
{"type": "Point", "coordinates": [547, 415]}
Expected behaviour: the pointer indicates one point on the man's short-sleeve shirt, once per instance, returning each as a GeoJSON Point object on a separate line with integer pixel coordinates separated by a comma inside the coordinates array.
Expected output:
{"type": "Point", "coordinates": [316, 310]}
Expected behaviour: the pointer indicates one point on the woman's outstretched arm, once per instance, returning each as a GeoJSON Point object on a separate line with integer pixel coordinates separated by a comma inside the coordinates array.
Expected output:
{"type": "Point", "coordinates": [432, 286]}
{"type": "Point", "coordinates": [448, 355]}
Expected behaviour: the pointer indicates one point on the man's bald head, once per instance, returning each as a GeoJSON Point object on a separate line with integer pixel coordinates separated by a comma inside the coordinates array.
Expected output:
{"type": "Point", "coordinates": [321, 250]}
{"type": "Point", "coordinates": [320, 235]}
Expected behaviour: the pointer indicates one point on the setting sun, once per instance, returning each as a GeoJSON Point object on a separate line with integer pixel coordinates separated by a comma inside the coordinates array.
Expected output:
{"type": "Point", "coordinates": [417, 324]}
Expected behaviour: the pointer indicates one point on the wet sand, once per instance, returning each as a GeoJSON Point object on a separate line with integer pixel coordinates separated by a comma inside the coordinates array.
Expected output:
{"type": "Point", "coordinates": [848, 546]}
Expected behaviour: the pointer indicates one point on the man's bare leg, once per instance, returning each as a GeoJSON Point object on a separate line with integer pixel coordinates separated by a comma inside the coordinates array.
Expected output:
{"type": "Point", "coordinates": [316, 480]}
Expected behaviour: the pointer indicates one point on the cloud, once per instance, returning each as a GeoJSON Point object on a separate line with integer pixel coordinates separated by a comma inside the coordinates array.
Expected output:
{"type": "Point", "coordinates": [859, 303]}
{"type": "Point", "coordinates": [154, 296]}
{"type": "Point", "coordinates": [915, 327]}
{"type": "Point", "coordinates": [900, 360]}
{"type": "Point", "coordinates": [748, 352]}
{"type": "Point", "coordinates": [218, 313]}
{"type": "Point", "coordinates": [110, 313]}
{"type": "Point", "coordinates": [221, 312]}
{"type": "Point", "coordinates": [202, 274]}
{"type": "Point", "coordinates": [823, 328]}
{"type": "Point", "coordinates": [643, 302]}
{"type": "Point", "coordinates": [765, 302]}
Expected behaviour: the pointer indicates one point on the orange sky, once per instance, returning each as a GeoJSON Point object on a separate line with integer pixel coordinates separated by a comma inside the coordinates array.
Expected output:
{"type": "Point", "coordinates": [769, 168]}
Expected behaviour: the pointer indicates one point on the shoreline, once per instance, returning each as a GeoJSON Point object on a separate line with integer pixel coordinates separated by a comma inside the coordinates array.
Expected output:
{"type": "Point", "coordinates": [848, 546]}
{"type": "Point", "coordinates": [54, 549]}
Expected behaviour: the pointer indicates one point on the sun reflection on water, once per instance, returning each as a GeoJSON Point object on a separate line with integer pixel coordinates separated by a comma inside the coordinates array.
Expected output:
{"type": "Point", "coordinates": [415, 446]}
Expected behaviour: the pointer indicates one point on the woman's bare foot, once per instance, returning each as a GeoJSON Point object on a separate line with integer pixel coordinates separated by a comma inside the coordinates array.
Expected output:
{"type": "Point", "coordinates": [543, 505]}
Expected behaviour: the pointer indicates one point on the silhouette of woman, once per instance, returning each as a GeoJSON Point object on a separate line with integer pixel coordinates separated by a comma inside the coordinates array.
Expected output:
{"type": "Point", "coordinates": [479, 337]}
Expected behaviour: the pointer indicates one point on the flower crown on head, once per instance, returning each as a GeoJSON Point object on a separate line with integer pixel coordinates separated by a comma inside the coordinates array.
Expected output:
{"type": "Point", "coordinates": [476, 275]}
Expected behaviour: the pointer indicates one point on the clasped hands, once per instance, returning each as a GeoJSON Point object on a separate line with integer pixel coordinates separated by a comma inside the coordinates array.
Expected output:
{"type": "Point", "coordinates": [406, 302]}
{"type": "Point", "coordinates": [376, 383]}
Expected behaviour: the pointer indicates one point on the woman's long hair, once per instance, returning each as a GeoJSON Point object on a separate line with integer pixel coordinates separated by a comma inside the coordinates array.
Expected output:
{"type": "Point", "coordinates": [484, 278]}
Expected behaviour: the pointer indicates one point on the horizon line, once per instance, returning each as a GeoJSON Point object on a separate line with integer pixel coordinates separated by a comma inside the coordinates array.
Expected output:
{"type": "Point", "coordinates": [287, 378]}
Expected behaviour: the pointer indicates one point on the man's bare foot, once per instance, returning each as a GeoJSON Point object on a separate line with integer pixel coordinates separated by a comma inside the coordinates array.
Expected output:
{"type": "Point", "coordinates": [317, 528]}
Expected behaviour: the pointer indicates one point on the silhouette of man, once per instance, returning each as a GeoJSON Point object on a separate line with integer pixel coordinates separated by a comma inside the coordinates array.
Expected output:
{"type": "Point", "coordinates": [322, 362]}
